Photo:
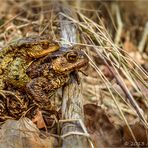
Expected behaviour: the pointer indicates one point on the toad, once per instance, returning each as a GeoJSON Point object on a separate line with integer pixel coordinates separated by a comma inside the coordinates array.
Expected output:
{"type": "Point", "coordinates": [47, 77]}
{"type": "Point", "coordinates": [16, 57]}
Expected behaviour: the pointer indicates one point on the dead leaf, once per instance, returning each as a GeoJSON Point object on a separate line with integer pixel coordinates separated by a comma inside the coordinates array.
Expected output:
{"type": "Point", "coordinates": [38, 119]}
{"type": "Point", "coordinates": [129, 46]}
{"type": "Point", "coordinates": [100, 128]}
{"type": "Point", "coordinates": [140, 133]}
{"type": "Point", "coordinates": [23, 133]}
{"type": "Point", "coordinates": [107, 72]}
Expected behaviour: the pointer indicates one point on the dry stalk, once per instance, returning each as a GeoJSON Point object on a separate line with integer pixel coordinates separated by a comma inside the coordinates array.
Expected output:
{"type": "Point", "coordinates": [74, 133]}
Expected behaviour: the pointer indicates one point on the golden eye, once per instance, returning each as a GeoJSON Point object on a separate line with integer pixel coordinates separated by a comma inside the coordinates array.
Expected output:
{"type": "Point", "coordinates": [72, 56]}
{"type": "Point", "coordinates": [45, 45]}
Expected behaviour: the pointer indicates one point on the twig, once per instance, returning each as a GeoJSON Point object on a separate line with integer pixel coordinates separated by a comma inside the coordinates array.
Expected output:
{"type": "Point", "coordinates": [11, 19]}
{"type": "Point", "coordinates": [72, 106]}
{"type": "Point", "coordinates": [144, 38]}
{"type": "Point", "coordinates": [120, 24]}
{"type": "Point", "coordinates": [72, 111]}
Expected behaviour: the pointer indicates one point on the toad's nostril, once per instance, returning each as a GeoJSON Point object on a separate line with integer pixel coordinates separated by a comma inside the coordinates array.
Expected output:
{"type": "Point", "coordinates": [17, 77]}
{"type": "Point", "coordinates": [45, 46]}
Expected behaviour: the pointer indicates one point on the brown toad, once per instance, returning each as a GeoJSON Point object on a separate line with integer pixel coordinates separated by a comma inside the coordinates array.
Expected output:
{"type": "Point", "coordinates": [48, 76]}
{"type": "Point", "coordinates": [16, 57]}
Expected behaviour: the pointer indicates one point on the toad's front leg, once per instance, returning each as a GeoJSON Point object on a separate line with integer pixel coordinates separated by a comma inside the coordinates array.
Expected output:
{"type": "Point", "coordinates": [40, 89]}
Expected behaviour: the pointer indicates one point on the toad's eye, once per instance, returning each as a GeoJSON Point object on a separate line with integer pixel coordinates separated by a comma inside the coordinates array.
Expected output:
{"type": "Point", "coordinates": [45, 45]}
{"type": "Point", "coordinates": [72, 56]}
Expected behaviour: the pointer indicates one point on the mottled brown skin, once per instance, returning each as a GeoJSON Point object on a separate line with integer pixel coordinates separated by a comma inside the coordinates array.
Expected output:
{"type": "Point", "coordinates": [15, 58]}
{"type": "Point", "coordinates": [48, 77]}
{"type": "Point", "coordinates": [35, 46]}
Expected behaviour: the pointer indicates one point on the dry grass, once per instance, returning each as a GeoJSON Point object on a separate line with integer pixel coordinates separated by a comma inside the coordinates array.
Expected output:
{"type": "Point", "coordinates": [43, 17]}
